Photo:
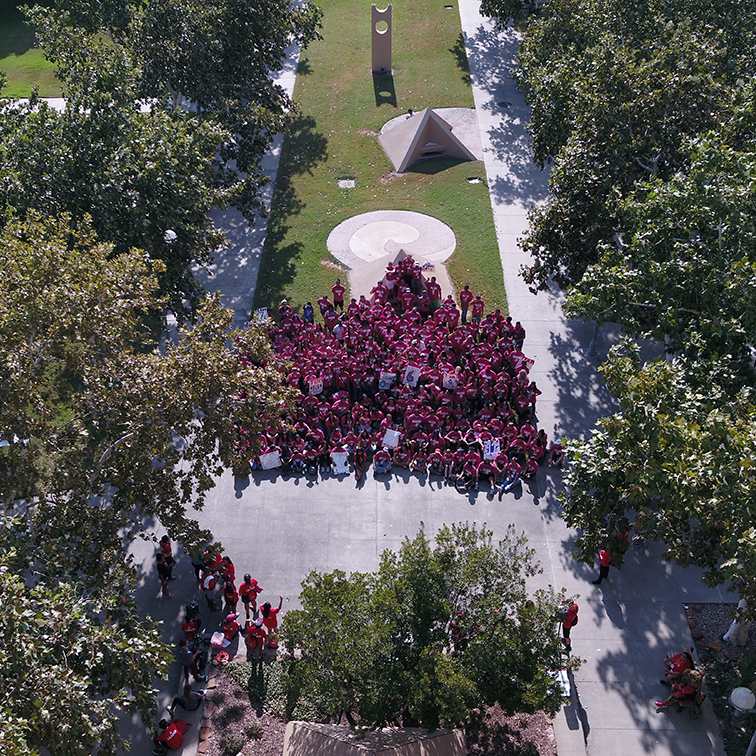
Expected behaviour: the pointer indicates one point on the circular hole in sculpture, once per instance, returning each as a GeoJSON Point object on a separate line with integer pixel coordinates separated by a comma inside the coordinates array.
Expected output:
{"type": "Point", "coordinates": [381, 27]}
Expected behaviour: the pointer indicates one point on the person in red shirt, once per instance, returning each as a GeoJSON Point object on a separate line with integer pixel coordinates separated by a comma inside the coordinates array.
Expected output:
{"type": "Point", "coordinates": [338, 290]}
{"type": "Point", "coordinates": [248, 591]}
{"type": "Point", "coordinates": [230, 626]}
{"type": "Point", "coordinates": [604, 561]}
{"type": "Point", "coordinates": [324, 303]}
{"type": "Point", "coordinates": [171, 735]}
{"type": "Point", "coordinates": [477, 308]}
{"type": "Point", "coordinates": [270, 619]}
{"type": "Point", "coordinates": [353, 308]}
{"type": "Point", "coordinates": [570, 620]}
{"type": "Point", "coordinates": [382, 462]}
{"type": "Point", "coordinates": [255, 639]}
{"type": "Point", "coordinates": [232, 597]}
{"type": "Point", "coordinates": [434, 293]}
{"type": "Point", "coordinates": [465, 297]}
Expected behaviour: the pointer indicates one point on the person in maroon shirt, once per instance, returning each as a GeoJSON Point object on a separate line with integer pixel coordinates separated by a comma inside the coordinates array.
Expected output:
{"type": "Point", "coordinates": [465, 297]}
{"type": "Point", "coordinates": [477, 306]}
{"type": "Point", "coordinates": [338, 290]}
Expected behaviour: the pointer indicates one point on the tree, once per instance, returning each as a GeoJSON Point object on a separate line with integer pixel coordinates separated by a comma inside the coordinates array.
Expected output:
{"type": "Point", "coordinates": [105, 431]}
{"type": "Point", "coordinates": [436, 632]}
{"type": "Point", "coordinates": [506, 11]}
{"type": "Point", "coordinates": [136, 175]}
{"type": "Point", "coordinates": [650, 223]}
{"type": "Point", "coordinates": [617, 90]}
{"type": "Point", "coordinates": [675, 463]}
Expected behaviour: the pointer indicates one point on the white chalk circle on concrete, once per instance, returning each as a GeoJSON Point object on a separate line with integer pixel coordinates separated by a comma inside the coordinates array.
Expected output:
{"type": "Point", "coordinates": [370, 236]}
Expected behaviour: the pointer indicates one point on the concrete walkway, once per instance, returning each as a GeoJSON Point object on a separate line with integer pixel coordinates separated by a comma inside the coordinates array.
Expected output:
{"type": "Point", "coordinates": [279, 529]}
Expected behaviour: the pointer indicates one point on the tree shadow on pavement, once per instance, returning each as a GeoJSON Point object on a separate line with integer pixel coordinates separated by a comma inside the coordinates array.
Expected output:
{"type": "Point", "coordinates": [491, 56]}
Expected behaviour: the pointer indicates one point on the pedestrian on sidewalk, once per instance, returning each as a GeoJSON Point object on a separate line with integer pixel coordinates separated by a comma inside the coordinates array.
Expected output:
{"type": "Point", "coordinates": [569, 618]}
{"type": "Point", "coordinates": [604, 561]}
{"type": "Point", "coordinates": [188, 660]}
{"type": "Point", "coordinates": [164, 573]}
{"type": "Point", "coordinates": [248, 591]}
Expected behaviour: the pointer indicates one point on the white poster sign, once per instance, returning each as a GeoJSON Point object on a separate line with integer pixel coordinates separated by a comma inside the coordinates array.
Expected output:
{"type": "Point", "coordinates": [270, 460]}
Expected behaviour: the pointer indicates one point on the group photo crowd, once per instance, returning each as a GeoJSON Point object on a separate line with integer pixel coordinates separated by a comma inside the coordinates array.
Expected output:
{"type": "Point", "coordinates": [406, 379]}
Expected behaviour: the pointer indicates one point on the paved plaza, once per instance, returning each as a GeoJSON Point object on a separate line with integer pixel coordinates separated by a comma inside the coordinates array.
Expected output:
{"type": "Point", "coordinates": [279, 530]}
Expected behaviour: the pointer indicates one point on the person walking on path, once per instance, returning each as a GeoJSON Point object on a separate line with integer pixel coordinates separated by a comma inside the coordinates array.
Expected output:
{"type": "Point", "coordinates": [248, 591]}
{"type": "Point", "coordinates": [569, 620]}
{"type": "Point", "coordinates": [604, 561]}
{"type": "Point", "coordinates": [164, 573]}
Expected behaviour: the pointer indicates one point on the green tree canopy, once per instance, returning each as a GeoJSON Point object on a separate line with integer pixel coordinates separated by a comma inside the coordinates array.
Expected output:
{"type": "Point", "coordinates": [676, 463]}
{"type": "Point", "coordinates": [437, 631]}
{"type": "Point", "coordinates": [139, 174]}
{"type": "Point", "coordinates": [105, 430]}
{"type": "Point", "coordinates": [616, 91]}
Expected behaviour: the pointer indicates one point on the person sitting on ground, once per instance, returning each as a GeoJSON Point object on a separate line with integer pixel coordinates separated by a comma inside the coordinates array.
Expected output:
{"type": "Point", "coordinates": [514, 470]}
{"type": "Point", "coordinates": [556, 455]}
{"type": "Point", "coordinates": [382, 462]}
{"type": "Point", "coordinates": [487, 471]}
{"type": "Point", "coordinates": [685, 691]}
{"type": "Point", "coordinates": [676, 664]}
{"type": "Point", "coordinates": [190, 701]}
{"type": "Point", "coordinates": [360, 463]}
{"type": "Point", "coordinates": [170, 735]}
{"type": "Point", "coordinates": [436, 463]}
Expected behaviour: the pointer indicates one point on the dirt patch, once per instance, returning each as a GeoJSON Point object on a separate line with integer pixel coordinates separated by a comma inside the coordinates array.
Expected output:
{"type": "Point", "coordinates": [520, 735]}
{"type": "Point", "coordinates": [387, 178]}
{"type": "Point", "coordinates": [229, 711]}
{"type": "Point", "coordinates": [367, 132]}
{"type": "Point", "coordinates": [328, 264]}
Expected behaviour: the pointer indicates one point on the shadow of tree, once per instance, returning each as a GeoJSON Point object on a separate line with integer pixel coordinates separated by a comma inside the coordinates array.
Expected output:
{"type": "Point", "coordinates": [460, 53]}
{"type": "Point", "coordinates": [303, 149]}
{"type": "Point", "coordinates": [491, 54]}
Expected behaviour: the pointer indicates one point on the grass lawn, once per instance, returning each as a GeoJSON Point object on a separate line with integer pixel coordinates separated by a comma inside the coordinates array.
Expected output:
{"type": "Point", "coordinates": [334, 137]}
{"type": "Point", "coordinates": [23, 64]}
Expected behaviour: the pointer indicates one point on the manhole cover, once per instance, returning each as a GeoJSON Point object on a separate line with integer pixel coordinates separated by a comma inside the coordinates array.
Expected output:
{"type": "Point", "coordinates": [346, 183]}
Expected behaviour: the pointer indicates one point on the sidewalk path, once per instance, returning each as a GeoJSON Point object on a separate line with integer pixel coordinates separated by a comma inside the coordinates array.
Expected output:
{"type": "Point", "coordinates": [279, 530]}
{"type": "Point", "coordinates": [625, 626]}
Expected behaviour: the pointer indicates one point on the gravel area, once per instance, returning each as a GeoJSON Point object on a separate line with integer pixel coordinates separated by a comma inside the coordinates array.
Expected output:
{"type": "Point", "coordinates": [229, 712]}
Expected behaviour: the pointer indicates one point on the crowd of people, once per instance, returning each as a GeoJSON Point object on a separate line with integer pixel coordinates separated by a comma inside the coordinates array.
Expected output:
{"type": "Point", "coordinates": [215, 574]}
{"type": "Point", "coordinates": [404, 379]}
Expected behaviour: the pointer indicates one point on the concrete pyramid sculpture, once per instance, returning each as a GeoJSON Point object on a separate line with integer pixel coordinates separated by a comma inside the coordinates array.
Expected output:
{"type": "Point", "coordinates": [422, 135]}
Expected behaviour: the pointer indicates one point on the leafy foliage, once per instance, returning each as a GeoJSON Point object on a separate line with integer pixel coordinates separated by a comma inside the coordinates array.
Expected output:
{"type": "Point", "coordinates": [678, 456]}
{"type": "Point", "coordinates": [437, 631]}
{"type": "Point", "coordinates": [104, 430]}
{"type": "Point", "coordinates": [616, 90]}
{"type": "Point", "coordinates": [140, 174]}
{"type": "Point", "coordinates": [646, 111]}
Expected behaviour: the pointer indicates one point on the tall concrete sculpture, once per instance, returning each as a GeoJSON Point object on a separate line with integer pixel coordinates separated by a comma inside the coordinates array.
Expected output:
{"type": "Point", "coordinates": [382, 40]}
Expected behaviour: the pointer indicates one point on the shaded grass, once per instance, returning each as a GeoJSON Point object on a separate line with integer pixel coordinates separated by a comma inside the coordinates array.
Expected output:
{"type": "Point", "coordinates": [342, 108]}
{"type": "Point", "coordinates": [23, 64]}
